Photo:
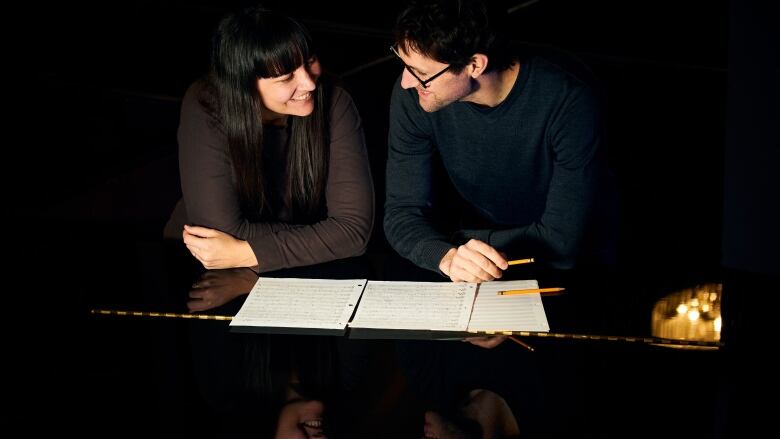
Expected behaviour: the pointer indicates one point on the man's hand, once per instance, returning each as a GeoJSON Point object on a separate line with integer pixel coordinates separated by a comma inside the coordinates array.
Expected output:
{"type": "Point", "coordinates": [474, 261]}
{"type": "Point", "coordinates": [218, 287]}
{"type": "Point", "coordinates": [216, 250]}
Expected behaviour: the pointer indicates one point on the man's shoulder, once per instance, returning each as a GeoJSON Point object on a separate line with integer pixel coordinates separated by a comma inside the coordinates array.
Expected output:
{"type": "Point", "coordinates": [559, 71]}
{"type": "Point", "coordinates": [552, 64]}
{"type": "Point", "coordinates": [563, 81]}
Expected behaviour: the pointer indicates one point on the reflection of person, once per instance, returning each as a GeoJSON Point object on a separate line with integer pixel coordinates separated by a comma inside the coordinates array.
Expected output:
{"type": "Point", "coordinates": [217, 287]}
{"type": "Point", "coordinates": [289, 384]}
{"type": "Point", "coordinates": [519, 139]}
{"type": "Point", "coordinates": [286, 385]}
{"type": "Point", "coordinates": [273, 164]}
{"type": "Point", "coordinates": [259, 384]}
{"type": "Point", "coordinates": [484, 415]}
{"type": "Point", "coordinates": [301, 418]}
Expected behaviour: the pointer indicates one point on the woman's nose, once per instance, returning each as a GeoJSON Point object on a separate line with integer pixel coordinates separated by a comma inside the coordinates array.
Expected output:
{"type": "Point", "coordinates": [306, 80]}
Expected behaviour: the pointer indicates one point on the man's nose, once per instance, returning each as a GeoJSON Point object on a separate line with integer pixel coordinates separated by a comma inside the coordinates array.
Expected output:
{"type": "Point", "coordinates": [407, 80]}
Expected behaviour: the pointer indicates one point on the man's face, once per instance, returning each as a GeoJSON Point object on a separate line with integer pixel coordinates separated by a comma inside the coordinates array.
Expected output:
{"type": "Point", "coordinates": [447, 88]}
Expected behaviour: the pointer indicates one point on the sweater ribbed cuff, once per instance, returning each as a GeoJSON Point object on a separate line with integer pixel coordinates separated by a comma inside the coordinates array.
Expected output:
{"type": "Point", "coordinates": [429, 254]}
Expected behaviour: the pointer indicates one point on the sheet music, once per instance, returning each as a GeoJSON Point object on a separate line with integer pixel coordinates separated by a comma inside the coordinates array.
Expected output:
{"type": "Point", "coordinates": [300, 303]}
{"type": "Point", "coordinates": [442, 306]}
{"type": "Point", "coordinates": [508, 313]}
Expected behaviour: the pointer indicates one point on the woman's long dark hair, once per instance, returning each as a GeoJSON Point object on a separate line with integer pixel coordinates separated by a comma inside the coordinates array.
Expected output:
{"type": "Point", "coordinates": [257, 43]}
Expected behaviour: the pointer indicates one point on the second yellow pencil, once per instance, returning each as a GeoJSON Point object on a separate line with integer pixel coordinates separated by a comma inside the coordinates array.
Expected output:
{"type": "Point", "coordinates": [529, 291]}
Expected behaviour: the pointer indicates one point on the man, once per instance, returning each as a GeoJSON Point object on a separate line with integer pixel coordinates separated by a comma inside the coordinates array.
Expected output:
{"type": "Point", "coordinates": [519, 140]}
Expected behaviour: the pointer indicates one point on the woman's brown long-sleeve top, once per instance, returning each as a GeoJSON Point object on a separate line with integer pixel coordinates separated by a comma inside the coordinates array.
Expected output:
{"type": "Point", "coordinates": [210, 198]}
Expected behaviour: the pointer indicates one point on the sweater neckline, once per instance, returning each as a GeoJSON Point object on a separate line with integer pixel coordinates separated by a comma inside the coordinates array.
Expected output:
{"type": "Point", "coordinates": [517, 90]}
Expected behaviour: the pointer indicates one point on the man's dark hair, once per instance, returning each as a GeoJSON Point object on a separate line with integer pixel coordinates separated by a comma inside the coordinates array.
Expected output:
{"type": "Point", "coordinates": [452, 31]}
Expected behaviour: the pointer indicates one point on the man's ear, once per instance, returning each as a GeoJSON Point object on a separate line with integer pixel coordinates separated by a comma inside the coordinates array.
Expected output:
{"type": "Point", "coordinates": [478, 65]}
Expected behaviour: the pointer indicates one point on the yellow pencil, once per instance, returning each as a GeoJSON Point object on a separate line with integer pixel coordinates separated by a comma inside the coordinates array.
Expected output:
{"type": "Point", "coordinates": [520, 261]}
{"type": "Point", "coordinates": [529, 291]}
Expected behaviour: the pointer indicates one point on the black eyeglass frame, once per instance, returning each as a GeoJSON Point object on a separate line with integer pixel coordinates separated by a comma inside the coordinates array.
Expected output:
{"type": "Point", "coordinates": [424, 83]}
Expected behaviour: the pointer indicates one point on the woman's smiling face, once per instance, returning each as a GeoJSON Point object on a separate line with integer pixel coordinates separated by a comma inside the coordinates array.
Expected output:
{"type": "Point", "coordinates": [301, 419]}
{"type": "Point", "coordinates": [290, 94]}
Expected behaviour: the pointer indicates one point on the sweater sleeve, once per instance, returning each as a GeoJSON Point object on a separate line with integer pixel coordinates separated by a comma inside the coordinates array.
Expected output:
{"type": "Point", "coordinates": [409, 185]}
{"type": "Point", "coordinates": [575, 138]}
{"type": "Point", "coordinates": [211, 200]}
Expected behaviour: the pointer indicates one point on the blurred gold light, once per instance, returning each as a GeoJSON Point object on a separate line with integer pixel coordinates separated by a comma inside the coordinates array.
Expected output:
{"type": "Point", "coordinates": [689, 314]}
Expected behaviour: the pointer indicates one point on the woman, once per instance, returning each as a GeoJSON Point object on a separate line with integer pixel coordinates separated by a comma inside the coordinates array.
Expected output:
{"type": "Point", "coordinates": [262, 385]}
{"type": "Point", "coordinates": [273, 164]}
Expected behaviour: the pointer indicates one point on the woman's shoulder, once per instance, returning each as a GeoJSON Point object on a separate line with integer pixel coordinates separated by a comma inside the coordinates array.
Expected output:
{"type": "Point", "coordinates": [339, 97]}
{"type": "Point", "coordinates": [196, 91]}
{"type": "Point", "coordinates": [199, 101]}
{"type": "Point", "coordinates": [343, 115]}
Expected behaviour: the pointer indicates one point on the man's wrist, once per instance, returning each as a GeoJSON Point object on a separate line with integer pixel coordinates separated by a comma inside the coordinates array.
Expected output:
{"type": "Point", "coordinates": [446, 261]}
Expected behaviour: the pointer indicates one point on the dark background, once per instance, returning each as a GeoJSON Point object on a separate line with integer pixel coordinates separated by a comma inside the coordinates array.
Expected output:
{"type": "Point", "coordinates": [90, 176]}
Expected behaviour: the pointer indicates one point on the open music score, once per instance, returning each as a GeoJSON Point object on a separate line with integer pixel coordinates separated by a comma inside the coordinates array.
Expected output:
{"type": "Point", "coordinates": [325, 306]}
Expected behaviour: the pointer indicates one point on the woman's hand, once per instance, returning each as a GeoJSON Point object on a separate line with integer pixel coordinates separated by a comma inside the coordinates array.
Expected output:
{"type": "Point", "coordinates": [218, 287]}
{"type": "Point", "coordinates": [217, 250]}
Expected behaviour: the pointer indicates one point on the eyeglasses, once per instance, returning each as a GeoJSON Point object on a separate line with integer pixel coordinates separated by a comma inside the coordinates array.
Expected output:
{"type": "Point", "coordinates": [423, 83]}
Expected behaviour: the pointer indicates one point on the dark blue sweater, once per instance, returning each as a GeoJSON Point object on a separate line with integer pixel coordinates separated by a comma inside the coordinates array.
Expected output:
{"type": "Point", "coordinates": [527, 168]}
